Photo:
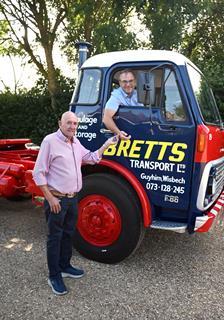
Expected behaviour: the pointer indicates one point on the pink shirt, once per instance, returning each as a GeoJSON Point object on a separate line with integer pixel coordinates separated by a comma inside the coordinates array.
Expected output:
{"type": "Point", "coordinates": [58, 164]}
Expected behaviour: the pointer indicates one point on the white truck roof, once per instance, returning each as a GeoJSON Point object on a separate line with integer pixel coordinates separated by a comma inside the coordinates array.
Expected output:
{"type": "Point", "coordinates": [110, 58]}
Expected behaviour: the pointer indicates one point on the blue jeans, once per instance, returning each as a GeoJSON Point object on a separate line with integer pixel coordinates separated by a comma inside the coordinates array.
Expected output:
{"type": "Point", "coordinates": [61, 228]}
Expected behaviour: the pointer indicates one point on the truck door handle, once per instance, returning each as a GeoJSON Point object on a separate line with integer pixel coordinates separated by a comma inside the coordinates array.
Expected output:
{"type": "Point", "coordinates": [167, 128]}
{"type": "Point", "coordinates": [105, 131]}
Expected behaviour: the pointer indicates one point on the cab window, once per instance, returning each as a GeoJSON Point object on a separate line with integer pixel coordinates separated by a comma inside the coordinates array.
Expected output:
{"type": "Point", "coordinates": [88, 87]}
{"type": "Point", "coordinates": [204, 97]}
{"type": "Point", "coordinates": [167, 98]}
{"type": "Point", "coordinates": [172, 105]}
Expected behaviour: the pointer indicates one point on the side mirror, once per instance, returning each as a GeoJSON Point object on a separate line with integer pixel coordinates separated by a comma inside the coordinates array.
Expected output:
{"type": "Point", "coordinates": [146, 88]}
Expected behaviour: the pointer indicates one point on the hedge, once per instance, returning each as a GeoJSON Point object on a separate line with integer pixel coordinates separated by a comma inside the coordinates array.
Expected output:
{"type": "Point", "coordinates": [29, 116]}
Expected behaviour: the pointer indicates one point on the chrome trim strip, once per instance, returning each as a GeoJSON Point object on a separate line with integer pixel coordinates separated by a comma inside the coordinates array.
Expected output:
{"type": "Point", "coordinates": [203, 185]}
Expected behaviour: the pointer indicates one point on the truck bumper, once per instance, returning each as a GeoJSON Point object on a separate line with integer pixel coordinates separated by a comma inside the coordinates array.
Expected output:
{"type": "Point", "coordinates": [204, 223]}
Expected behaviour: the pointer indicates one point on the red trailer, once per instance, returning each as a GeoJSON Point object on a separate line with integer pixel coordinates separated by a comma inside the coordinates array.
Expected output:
{"type": "Point", "coordinates": [17, 159]}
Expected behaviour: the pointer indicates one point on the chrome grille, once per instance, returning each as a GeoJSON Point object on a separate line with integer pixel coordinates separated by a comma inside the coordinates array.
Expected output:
{"type": "Point", "coordinates": [219, 177]}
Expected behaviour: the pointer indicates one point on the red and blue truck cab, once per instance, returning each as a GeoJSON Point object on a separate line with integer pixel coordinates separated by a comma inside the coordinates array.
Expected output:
{"type": "Point", "coordinates": [169, 175]}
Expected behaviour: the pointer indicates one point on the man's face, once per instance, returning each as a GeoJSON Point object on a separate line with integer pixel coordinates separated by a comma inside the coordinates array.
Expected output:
{"type": "Point", "coordinates": [127, 82]}
{"type": "Point", "coordinates": [68, 124]}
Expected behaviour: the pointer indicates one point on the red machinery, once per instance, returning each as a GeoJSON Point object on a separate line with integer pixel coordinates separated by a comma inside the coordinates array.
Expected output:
{"type": "Point", "coordinates": [17, 159]}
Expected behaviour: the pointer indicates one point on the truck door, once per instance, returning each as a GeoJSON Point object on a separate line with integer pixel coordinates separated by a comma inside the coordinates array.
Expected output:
{"type": "Point", "coordinates": [160, 152]}
{"type": "Point", "coordinates": [87, 106]}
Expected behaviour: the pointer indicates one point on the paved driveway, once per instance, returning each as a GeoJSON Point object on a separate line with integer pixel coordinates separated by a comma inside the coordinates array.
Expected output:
{"type": "Point", "coordinates": [171, 276]}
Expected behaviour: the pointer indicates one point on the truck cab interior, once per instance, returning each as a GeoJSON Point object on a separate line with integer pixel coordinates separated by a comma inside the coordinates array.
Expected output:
{"type": "Point", "coordinates": [157, 89]}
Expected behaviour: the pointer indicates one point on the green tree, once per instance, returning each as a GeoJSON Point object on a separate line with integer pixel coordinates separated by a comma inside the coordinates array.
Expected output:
{"type": "Point", "coordinates": [104, 23]}
{"type": "Point", "coordinates": [204, 44]}
{"type": "Point", "coordinates": [31, 24]}
{"type": "Point", "coordinates": [167, 20]}
{"type": "Point", "coordinates": [3, 33]}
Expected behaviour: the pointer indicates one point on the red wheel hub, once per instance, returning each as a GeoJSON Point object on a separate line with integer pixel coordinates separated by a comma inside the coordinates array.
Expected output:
{"type": "Point", "coordinates": [99, 221]}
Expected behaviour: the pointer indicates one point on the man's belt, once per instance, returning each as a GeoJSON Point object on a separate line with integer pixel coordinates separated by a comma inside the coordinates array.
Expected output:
{"type": "Point", "coordinates": [66, 195]}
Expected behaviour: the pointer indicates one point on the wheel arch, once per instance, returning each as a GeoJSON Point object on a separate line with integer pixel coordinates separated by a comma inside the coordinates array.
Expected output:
{"type": "Point", "coordinates": [108, 166]}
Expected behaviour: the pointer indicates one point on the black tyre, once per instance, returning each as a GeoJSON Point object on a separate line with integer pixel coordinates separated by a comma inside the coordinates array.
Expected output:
{"type": "Point", "coordinates": [110, 226]}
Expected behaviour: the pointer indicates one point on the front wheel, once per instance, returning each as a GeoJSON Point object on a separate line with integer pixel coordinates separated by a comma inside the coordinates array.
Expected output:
{"type": "Point", "coordinates": [110, 225]}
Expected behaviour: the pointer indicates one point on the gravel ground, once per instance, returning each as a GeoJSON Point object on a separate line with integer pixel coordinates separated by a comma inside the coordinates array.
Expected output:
{"type": "Point", "coordinates": [171, 276]}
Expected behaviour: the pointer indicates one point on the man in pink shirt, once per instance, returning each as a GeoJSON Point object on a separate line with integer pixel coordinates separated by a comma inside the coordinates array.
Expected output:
{"type": "Point", "coordinates": [57, 172]}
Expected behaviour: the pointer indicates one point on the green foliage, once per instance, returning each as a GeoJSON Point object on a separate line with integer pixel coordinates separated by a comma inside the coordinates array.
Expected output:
{"type": "Point", "coordinates": [6, 44]}
{"type": "Point", "coordinates": [193, 27]}
{"type": "Point", "coordinates": [66, 85]}
{"type": "Point", "coordinates": [29, 114]}
{"type": "Point", "coordinates": [214, 72]}
{"type": "Point", "coordinates": [167, 19]}
{"type": "Point", "coordinates": [103, 23]}
{"type": "Point", "coordinates": [3, 28]}
{"type": "Point", "coordinates": [204, 46]}
{"type": "Point", "coordinates": [34, 24]}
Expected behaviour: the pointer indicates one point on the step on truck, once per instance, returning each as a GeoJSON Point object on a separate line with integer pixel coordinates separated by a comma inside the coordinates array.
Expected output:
{"type": "Point", "coordinates": [169, 175]}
